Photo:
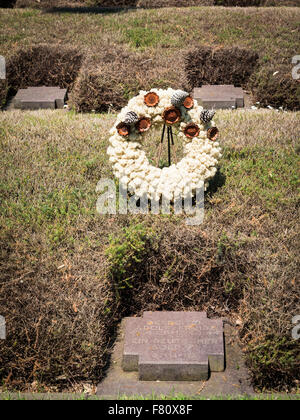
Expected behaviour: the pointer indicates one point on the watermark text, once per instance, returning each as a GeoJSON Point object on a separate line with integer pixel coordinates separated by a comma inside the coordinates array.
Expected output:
{"type": "Point", "coordinates": [296, 68]}
{"type": "Point", "coordinates": [296, 329]}
{"type": "Point", "coordinates": [124, 201]}
{"type": "Point", "coordinates": [2, 68]}
{"type": "Point", "coordinates": [2, 328]}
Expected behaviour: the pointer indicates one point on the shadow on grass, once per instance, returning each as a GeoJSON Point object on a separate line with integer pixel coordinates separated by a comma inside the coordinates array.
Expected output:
{"type": "Point", "coordinates": [87, 10]}
{"type": "Point", "coordinates": [216, 182]}
{"type": "Point", "coordinates": [8, 4]}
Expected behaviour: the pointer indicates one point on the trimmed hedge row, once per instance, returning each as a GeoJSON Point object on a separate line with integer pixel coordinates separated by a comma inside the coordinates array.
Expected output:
{"type": "Point", "coordinates": [106, 80]}
{"type": "Point", "coordinates": [206, 65]}
{"type": "Point", "coordinates": [275, 86]}
{"type": "Point", "coordinates": [31, 67]}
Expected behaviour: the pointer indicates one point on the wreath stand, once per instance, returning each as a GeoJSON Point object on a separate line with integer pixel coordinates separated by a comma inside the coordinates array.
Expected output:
{"type": "Point", "coordinates": [170, 142]}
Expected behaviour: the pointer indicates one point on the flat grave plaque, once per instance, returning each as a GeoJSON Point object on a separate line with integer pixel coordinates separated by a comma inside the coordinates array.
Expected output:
{"type": "Point", "coordinates": [42, 97]}
{"type": "Point", "coordinates": [173, 346]}
{"type": "Point", "coordinates": [219, 96]}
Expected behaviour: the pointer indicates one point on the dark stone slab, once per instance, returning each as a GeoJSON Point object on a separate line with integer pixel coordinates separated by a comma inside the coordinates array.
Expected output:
{"type": "Point", "coordinates": [43, 97]}
{"type": "Point", "coordinates": [219, 96]}
{"type": "Point", "coordinates": [235, 380]}
{"type": "Point", "coordinates": [175, 346]}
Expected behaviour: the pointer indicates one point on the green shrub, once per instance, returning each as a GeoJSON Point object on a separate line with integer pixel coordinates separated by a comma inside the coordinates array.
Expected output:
{"type": "Point", "coordinates": [126, 252]}
{"type": "Point", "coordinates": [275, 360]}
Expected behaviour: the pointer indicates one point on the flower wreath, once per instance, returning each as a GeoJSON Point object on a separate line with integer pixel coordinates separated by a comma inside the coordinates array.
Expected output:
{"type": "Point", "coordinates": [174, 108]}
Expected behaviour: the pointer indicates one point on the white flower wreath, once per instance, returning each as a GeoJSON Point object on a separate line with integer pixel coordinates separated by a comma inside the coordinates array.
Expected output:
{"type": "Point", "coordinates": [198, 132]}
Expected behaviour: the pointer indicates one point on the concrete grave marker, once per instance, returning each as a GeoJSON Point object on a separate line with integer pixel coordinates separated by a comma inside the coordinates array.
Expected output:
{"type": "Point", "coordinates": [219, 96]}
{"type": "Point", "coordinates": [40, 98]}
{"type": "Point", "coordinates": [173, 346]}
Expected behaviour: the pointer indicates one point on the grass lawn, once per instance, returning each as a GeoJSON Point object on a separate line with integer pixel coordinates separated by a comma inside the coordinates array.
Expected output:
{"type": "Point", "coordinates": [56, 287]}
{"type": "Point", "coordinates": [6, 396]}
{"type": "Point", "coordinates": [167, 29]}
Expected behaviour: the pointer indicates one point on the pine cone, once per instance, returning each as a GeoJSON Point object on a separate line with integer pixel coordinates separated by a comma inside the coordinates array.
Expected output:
{"type": "Point", "coordinates": [206, 116]}
{"type": "Point", "coordinates": [178, 97]}
{"type": "Point", "coordinates": [131, 118]}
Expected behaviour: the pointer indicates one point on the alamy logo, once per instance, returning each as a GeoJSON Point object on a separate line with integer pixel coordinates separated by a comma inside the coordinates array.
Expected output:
{"type": "Point", "coordinates": [124, 201]}
{"type": "Point", "coordinates": [2, 328]}
{"type": "Point", "coordinates": [296, 329]}
{"type": "Point", "coordinates": [2, 67]}
{"type": "Point", "coordinates": [296, 68]}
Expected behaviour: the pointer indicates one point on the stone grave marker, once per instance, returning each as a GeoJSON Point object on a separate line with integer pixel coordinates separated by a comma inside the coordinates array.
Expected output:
{"type": "Point", "coordinates": [219, 96]}
{"type": "Point", "coordinates": [42, 97]}
{"type": "Point", "coordinates": [173, 346]}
